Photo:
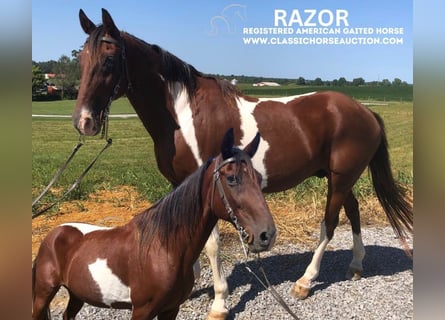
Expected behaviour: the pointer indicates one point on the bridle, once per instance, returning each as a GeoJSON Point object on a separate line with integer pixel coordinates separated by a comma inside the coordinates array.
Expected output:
{"type": "Point", "coordinates": [217, 182]}
{"type": "Point", "coordinates": [243, 235]}
{"type": "Point", "coordinates": [104, 119]}
{"type": "Point", "coordinates": [124, 71]}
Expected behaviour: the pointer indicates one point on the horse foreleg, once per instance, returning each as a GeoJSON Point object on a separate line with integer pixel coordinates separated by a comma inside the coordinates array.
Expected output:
{"type": "Point", "coordinates": [358, 250]}
{"type": "Point", "coordinates": [218, 309]}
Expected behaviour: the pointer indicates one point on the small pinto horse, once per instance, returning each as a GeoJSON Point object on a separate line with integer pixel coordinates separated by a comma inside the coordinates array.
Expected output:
{"type": "Point", "coordinates": [147, 264]}
{"type": "Point", "coordinates": [325, 134]}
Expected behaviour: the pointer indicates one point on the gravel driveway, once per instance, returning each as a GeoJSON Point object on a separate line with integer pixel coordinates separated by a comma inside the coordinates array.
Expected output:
{"type": "Point", "coordinates": [384, 292]}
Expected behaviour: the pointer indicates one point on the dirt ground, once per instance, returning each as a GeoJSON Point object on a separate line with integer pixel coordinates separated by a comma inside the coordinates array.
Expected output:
{"type": "Point", "coordinates": [297, 223]}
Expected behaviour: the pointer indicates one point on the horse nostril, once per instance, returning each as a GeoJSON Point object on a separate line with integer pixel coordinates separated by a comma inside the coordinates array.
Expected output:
{"type": "Point", "coordinates": [86, 126]}
{"type": "Point", "coordinates": [264, 238]}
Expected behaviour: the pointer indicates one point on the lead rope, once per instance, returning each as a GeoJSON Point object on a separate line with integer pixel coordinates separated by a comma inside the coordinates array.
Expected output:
{"type": "Point", "coordinates": [243, 237]}
{"type": "Point", "coordinates": [75, 184]}
{"type": "Point", "coordinates": [267, 284]}
{"type": "Point", "coordinates": [104, 135]}
{"type": "Point", "coordinates": [61, 169]}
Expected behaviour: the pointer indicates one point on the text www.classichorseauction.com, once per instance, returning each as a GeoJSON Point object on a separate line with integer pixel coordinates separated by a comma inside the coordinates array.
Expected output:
{"type": "Point", "coordinates": [319, 27]}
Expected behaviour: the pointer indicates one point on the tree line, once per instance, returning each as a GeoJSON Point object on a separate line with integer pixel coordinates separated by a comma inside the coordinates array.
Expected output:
{"type": "Point", "coordinates": [66, 71]}
{"type": "Point", "coordinates": [300, 81]}
{"type": "Point", "coordinates": [65, 81]}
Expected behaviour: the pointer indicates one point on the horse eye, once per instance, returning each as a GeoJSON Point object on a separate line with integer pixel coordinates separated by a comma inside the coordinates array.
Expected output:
{"type": "Point", "coordinates": [232, 180]}
{"type": "Point", "coordinates": [109, 63]}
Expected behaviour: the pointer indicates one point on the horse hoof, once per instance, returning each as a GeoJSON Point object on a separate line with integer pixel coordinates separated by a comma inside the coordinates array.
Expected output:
{"type": "Point", "coordinates": [300, 292]}
{"type": "Point", "coordinates": [217, 315]}
{"type": "Point", "coordinates": [354, 274]}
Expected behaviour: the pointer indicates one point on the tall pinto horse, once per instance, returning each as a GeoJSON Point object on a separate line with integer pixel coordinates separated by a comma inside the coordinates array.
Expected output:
{"type": "Point", "coordinates": [147, 264]}
{"type": "Point", "coordinates": [325, 134]}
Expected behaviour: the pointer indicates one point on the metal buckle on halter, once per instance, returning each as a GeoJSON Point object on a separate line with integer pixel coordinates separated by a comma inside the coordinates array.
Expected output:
{"type": "Point", "coordinates": [216, 180]}
{"type": "Point", "coordinates": [242, 232]}
{"type": "Point", "coordinates": [111, 40]}
{"type": "Point", "coordinates": [243, 235]}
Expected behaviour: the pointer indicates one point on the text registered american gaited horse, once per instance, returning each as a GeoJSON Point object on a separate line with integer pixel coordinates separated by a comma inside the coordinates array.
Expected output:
{"type": "Point", "coordinates": [147, 264]}
{"type": "Point", "coordinates": [325, 134]}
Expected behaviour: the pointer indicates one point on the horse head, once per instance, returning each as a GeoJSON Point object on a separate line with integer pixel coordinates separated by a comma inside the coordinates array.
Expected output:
{"type": "Point", "coordinates": [241, 200]}
{"type": "Point", "coordinates": [102, 63]}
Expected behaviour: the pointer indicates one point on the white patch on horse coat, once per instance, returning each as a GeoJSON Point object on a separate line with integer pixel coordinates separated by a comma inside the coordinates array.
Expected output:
{"type": "Point", "coordinates": [313, 268]}
{"type": "Point", "coordinates": [249, 127]}
{"type": "Point", "coordinates": [181, 103]}
{"type": "Point", "coordinates": [85, 113]}
{"type": "Point", "coordinates": [286, 99]}
{"type": "Point", "coordinates": [111, 287]}
{"type": "Point", "coordinates": [358, 252]}
{"type": "Point", "coordinates": [85, 227]}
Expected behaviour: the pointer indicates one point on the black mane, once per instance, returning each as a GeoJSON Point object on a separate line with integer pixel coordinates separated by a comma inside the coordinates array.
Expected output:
{"type": "Point", "coordinates": [178, 213]}
{"type": "Point", "coordinates": [173, 69]}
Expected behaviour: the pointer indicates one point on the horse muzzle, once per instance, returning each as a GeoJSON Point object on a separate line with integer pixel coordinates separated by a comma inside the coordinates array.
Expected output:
{"type": "Point", "coordinates": [87, 124]}
{"type": "Point", "coordinates": [263, 241]}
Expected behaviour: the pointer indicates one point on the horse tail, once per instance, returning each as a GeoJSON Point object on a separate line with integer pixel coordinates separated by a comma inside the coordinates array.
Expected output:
{"type": "Point", "coordinates": [34, 267]}
{"type": "Point", "coordinates": [390, 194]}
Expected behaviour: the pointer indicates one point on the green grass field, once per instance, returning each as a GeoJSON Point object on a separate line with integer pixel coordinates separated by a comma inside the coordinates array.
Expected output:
{"type": "Point", "coordinates": [363, 93]}
{"type": "Point", "coordinates": [66, 107]}
{"type": "Point", "coordinates": [130, 160]}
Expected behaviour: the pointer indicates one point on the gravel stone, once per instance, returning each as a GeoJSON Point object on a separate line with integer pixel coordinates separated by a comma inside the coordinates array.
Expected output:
{"type": "Point", "coordinates": [384, 292]}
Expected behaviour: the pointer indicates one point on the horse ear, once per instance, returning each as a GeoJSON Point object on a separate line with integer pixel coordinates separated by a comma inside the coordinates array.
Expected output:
{"type": "Point", "coordinates": [252, 147]}
{"type": "Point", "coordinates": [227, 144]}
{"type": "Point", "coordinates": [87, 25]}
{"type": "Point", "coordinates": [109, 25]}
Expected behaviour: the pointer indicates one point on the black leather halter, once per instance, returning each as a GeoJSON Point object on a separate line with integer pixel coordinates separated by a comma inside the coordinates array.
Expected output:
{"type": "Point", "coordinates": [114, 93]}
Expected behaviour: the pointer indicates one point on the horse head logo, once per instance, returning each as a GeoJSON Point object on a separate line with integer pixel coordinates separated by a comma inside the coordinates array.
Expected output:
{"type": "Point", "coordinates": [226, 21]}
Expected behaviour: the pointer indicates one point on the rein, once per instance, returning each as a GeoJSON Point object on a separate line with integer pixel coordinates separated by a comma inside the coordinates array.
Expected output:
{"type": "Point", "coordinates": [266, 284]}
{"type": "Point", "coordinates": [217, 181]}
{"type": "Point", "coordinates": [57, 175]}
{"type": "Point", "coordinates": [243, 237]}
{"type": "Point", "coordinates": [74, 185]}
{"type": "Point", "coordinates": [104, 135]}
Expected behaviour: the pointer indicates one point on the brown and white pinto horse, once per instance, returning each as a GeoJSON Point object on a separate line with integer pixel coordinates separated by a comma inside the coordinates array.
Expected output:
{"type": "Point", "coordinates": [147, 264]}
{"type": "Point", "coordinates": [324, 134]}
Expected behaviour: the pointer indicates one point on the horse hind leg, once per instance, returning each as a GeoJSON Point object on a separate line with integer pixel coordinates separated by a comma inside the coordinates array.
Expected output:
{"type": "Point", "coordinates": [358, 250]}
{"type": "Point", "coordinates": [168, 315]}
{"type": "Point", "coordinates": [218, 310]}
{"type": "Point", "coordinates": [73, 307]}
{"type": "Point", "coordinates": [44, 288]}
{"type": "Point", "coordinates": [42, 300]}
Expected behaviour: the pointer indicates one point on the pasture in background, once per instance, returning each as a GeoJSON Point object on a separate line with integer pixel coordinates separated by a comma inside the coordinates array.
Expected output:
{"type": "Point", "coordinates": [362, 93]}
{"type": "Point", "coordinates": [130, 160]}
